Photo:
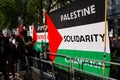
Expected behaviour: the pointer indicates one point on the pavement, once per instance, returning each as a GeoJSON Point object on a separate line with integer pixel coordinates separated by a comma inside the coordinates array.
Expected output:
{"type": "Point", "coordinates": [17, 76]}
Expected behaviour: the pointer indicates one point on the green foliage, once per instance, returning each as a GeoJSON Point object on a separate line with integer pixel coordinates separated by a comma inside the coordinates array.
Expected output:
{"type": "Point", "coordinates": [8, 14]}
{"type": "Point", "coordinates": [31, 10]}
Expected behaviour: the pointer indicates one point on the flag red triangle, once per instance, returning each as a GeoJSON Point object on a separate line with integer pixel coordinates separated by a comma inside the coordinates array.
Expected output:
{"type": "Point", "coordinates": [54, 37]}
{"type": "Point", "coordinates": [20, 30]}
{"type": "Point", "coordinates": [34, 35]}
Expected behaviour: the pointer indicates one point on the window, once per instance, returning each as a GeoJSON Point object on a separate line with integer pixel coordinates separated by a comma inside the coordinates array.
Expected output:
{"type": "Point", "coordinates": [119, 21]}
{"type": "Point", "coordinates": [110, 24]}
{"type": "Point", "coordinates": [113, 2]}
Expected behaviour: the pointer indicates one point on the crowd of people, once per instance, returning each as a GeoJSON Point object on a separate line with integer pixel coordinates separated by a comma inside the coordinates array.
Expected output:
{"type": "Point", "coordinates": [12, 48]}
{"type": "Point", "coordinates": [115, 54]}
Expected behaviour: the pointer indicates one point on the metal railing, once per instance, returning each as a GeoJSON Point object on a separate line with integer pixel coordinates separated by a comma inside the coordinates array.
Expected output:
{"type": "Point", "coordinates": [47, 73]}
{"type": "Point", "coordinates": [90, 73]}
{"type": "Point", "coordinates": [52, 71]}
{"type": "Point", "coordinates": [73, 69]}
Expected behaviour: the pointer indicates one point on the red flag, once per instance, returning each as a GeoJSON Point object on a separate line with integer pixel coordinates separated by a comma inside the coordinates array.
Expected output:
{"type": "Point", "coordinates": [54, 37]}
{"type": "Point", "coordinates": [34, 35]}
{"type": "Point", "coordinates": [20, 30]}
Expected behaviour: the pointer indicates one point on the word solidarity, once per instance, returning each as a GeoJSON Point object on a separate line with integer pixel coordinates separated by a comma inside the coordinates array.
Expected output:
{"type": "Point", "coordinates": [84, 38]}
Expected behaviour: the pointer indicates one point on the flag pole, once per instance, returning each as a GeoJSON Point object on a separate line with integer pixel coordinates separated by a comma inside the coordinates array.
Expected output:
{"type": "Point", "coordinates": [105, 23]}
{"type": "Point", "coordinates": [45, 53]}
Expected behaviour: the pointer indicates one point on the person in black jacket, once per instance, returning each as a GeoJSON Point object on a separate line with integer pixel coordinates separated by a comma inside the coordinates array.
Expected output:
{"type": "Point", "coordinates": [25, 47]}
{"type": "Point", "coordinates": [6, 56]}
{"type": "Point", "coordinates": [117, 46]}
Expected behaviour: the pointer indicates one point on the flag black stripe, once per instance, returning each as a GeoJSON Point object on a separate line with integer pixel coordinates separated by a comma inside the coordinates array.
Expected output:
{"type": "Point", "coordinates": [76, 14]}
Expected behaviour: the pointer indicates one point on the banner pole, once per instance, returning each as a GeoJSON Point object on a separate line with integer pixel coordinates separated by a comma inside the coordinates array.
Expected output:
{"type": "Point", "coordinates": [45, 54]}
{"type": "Point", "coordinates": [106, 6]}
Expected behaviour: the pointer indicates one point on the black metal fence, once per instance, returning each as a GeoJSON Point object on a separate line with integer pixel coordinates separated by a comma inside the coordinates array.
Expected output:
{"type": "Point", "coordinates": [35, 68]}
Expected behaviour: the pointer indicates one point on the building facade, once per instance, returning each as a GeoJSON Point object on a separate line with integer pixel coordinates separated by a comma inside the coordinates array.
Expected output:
{"type": "Point", "coordinates": [114, 16]}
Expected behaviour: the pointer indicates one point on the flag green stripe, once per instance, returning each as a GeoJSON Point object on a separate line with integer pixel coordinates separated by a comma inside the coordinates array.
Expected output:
{"type": "Point", "coordinates": [85, 54]}
{"type": "Point", "coordinates": [39, 46]}
{"type": "Point", "coordinates": [85, 65]}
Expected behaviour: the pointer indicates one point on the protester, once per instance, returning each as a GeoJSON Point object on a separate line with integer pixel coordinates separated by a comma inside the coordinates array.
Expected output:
{"type": "Point", "coordinates": [2, 55]}
{"type": "Point", "coordinates": [25, 46]}
{"type": "Point", "coordinates": [118, 54]}
{"type": "Point", "coordinates": [1, 44]}
{"type": "Point", "coordinates": [1, 49]}
{"type": "Point", "coordinates": [7, 59]}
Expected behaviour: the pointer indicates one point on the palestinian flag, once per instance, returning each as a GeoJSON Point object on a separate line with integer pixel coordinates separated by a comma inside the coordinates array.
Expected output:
{"type": "Point", "coordinates": [77, 30]}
